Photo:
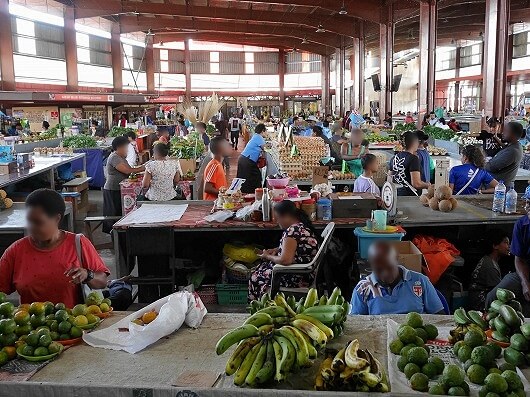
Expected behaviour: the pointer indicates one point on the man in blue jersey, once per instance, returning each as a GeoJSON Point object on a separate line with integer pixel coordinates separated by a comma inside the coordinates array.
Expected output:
{"type": "Point", "coordinates": [391, 288]}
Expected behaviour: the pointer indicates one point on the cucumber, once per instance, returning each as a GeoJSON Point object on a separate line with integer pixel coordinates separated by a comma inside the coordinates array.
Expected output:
{"type": "Point", "coordinates": [504, 295]}
{"type": "Point", "coordinates": [496, 305]}
{"type": "Point", "coordinates": [499, 337]}
{"type": "Point", "coordinates": [491, 315]}
{"type": "Point", "coordinates": [510, 317]}
{"type": "Point", "coordinates": [500, 326]}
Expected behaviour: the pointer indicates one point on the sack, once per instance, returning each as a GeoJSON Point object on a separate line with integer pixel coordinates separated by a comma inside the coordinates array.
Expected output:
{"type": "Point", "coordinates": [438, 253]}
{"type": "Point", "coordinates": [173, 311]}
{"type": "Point", "coordinates": [240, 252]}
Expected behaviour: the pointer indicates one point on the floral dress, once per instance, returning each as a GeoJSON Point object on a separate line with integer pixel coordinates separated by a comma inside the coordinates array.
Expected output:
{"type": "Point", "coordinates": [306, 250]}
{"type": "Point", "coordinates": [162, 176]}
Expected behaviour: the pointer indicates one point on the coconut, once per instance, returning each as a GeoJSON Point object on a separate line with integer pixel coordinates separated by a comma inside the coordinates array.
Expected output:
{"type": "Point", "coordinates": [430, 191]}
{"type": "Point", "coordinates": [424, 199]}
{"type": "Point", "coordinates": [445, 205]}
{"type": "Point", "coordinates": [433, 203]}
{"type": "Point", "coordinates": [443, 193]}
{"type": "Point", "coordinates": [454, 202]}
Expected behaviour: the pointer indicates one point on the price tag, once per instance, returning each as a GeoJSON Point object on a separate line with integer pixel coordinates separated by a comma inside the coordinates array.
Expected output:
{"type": "Point", "coordinates": [320, 174]}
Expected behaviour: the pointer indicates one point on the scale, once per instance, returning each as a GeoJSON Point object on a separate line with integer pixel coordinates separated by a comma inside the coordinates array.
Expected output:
{"type": "Point", "coordinates": [389, 197]}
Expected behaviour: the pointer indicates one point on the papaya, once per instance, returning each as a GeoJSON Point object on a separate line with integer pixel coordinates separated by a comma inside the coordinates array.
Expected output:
{"type": "Point", "coordinates": [504, 295]}
{"type": "Point", "coordinates": [510, 317]}
{"type": "Point", "coordinates": [496, 305]}
{"type": "Point", "coordinates": [500, 326]}
{"type": "Point", "coordinates": [512, 356]}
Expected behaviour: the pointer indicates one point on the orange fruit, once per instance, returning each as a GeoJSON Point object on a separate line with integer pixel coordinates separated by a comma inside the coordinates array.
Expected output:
{"type": "Point", "coordinates": [37, 308]}
{"type": "Point", "coordinates": [22, 317]}
{"type": "Point", "coordinates": [149, 317]}
{"type": "Point", "coordinates": [138, 321]}
{"type": "Point", "coordinates": [93, 309]}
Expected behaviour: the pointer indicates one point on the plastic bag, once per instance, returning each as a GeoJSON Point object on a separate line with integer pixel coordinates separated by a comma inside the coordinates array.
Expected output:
{"type": "Point", "coordinates": [240, 253]}
{"type": "Point", "coordinates": [173, 311]}
{"type": "Point", "coordinates": [219, 216]}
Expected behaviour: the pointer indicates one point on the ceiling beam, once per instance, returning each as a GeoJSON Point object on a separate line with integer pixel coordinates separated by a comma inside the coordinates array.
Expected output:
{"type": "Point", "coordinates": [234, 38]}
{"type": "Point", "coordinates": [339, 24]}
{"type": "Point", "coordinates": [158, 25]}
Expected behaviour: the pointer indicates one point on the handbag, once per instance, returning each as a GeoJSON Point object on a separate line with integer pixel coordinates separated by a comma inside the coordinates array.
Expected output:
{"type": "Point", "coordinates": [262, 161]}
{"type": "Point", "coordinates": [141, 195]}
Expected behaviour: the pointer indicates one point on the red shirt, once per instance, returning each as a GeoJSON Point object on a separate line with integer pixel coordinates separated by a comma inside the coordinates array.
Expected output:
{"type": "Point", "coordinates": [38, 275]}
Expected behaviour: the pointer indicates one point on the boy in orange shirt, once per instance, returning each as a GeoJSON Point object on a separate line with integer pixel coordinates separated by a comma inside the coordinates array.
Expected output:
{"type": "Point", "coordinates": [214, 174]}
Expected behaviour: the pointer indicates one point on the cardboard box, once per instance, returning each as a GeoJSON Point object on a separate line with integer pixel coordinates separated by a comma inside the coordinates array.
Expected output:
{"type": "Point", "coordinates": [188, 164]}
{"type": "Point", "coordinates": [408, 254]}
{"type": "Point", "coordinates": [8, 168]}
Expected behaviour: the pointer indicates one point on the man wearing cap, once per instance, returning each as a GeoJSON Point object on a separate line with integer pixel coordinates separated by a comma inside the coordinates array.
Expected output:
{"type": "Point", "coordinates": [392, 288]}
{"type": "Point", "coordinates": [519, 282]}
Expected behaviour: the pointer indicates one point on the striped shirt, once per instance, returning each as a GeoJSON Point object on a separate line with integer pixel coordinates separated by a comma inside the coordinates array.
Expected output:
{"type": "Point", "coordinates": [214, 174]}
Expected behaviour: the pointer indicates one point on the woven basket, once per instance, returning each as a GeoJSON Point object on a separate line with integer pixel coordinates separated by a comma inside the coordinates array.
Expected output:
{"type": "Point", "coordinates": [236, 275]}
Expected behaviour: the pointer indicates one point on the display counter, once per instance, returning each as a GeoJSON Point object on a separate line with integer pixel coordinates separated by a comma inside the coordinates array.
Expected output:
{"type": "Point", "coordinates": [84, 371]}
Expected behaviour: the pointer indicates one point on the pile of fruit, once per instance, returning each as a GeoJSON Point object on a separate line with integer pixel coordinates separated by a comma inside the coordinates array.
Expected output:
{"type": "Point", "coordinates": [376, 138]}
{"type": "Point", "coordinates": [464, 322]}
{"type": "Point", "coordinates": [5, 202]}
{"type": "Point", "coordinates": [146, 318]}
{"type": "Point", "coordinates": [352, 369]}
{"type": "Point", "coordinates": [439, 200]}
{"type": "Point", "coordinates": [98, 305]}
{"type": "Point", "coordinates": [279, 338]}
{"type": "Point", "coordinates": [338, 175]}
{"type": "Point", "coordinates": [324, 309]}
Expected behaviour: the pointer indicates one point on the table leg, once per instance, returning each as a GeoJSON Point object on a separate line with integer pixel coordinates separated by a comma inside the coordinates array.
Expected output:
{"type": "Point", "coordinates": [121, 263]}
{"type": "Point", "coordinates": [84, 163]}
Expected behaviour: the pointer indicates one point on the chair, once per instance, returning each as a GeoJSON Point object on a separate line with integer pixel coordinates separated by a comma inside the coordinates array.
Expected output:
{"type": "Point", "coordinates": [304, 268]}
{"type": "Point", "coordinates": [156, 243]}
{"type": "Point", "coordinates": [444, 302]}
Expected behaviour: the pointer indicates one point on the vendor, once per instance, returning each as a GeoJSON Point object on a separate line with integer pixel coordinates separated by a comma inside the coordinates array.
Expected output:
{"type": "Point", "coordinates": [214, 173]}
{"type": "Point", "coordinates": [132, 150]}
{"type": "Point", "coordinates": [161, 175]}
{"type": "Point", "coordinates": [470, 177]}
{"type": "Point", "coordinates": [15, 129]}
{"type": "Point", "coordinates": [45, 265]}
{"type": "Point", "coordinates": [406, 167]}
{"type": "Point", "coordinates": [247, 164]}
{"type": "Point", "coordinates": [117, 170]}
{"type": "Point", "coordinates": [392, 288]}
{"type": "Point", "coordinates": [519, 281]}
{"type": "Point", "coordinates": [299, 244]}
{"type": "Point", "coordinates": [408, 118]}
{"type": "Point", "coordinates": [45, 126]}
{"type": "Point", "coordinates": [491, 138]}
{"type": "Point", "coordinates": [487, 273]}
{"type": "Point", "coordinates": [505, 164]}
{"type": "Point", "coordinates": [163, 135]}
{"type": "Point", "coordinates": [353, 151]}
{"type": "Point", "coordinates": [319, 133]}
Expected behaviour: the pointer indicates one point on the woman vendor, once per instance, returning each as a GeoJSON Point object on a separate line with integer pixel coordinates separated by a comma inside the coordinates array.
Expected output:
{"type": "Point", "coordinates": [299, 244]}
{"type": "Point", "coordinates": [353, 151]}
{"type": "Point", "coordinates": [470, 177]}
{"type": "Point", "coordinates": [46, 265]}
{"type": "Point", "coordinates": [247, 164]}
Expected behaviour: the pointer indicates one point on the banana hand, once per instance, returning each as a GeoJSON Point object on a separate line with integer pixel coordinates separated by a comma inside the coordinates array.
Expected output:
{"type": "Point", "coordinates": [234, 336]}
{"type": "Point", "coordinates": [259, 319]}
{"type": "Point", "coordinates": [242, 372]}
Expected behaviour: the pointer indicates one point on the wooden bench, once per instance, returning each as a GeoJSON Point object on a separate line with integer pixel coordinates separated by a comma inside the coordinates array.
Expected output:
{"type": "Point", "coordinates": [79, 185]}
{"type": "Point", "coordinates": [93, 222]}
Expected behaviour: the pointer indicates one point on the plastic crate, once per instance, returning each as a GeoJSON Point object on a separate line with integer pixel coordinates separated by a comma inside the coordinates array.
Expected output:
{"type": "Point", "coordinates": [208, 294]}
{"type": "Point", "coordinates": [365, 239]}
{"type": "Point", "coordinates": [232, 294]}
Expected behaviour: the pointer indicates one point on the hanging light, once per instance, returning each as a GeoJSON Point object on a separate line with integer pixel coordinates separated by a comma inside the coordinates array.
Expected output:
{"type": "Point", "coordinates": [304, 41]}
{"type": "Point", "coordinates": [320, 28]}
{"type": "Point", "coordinates": [343, 10]}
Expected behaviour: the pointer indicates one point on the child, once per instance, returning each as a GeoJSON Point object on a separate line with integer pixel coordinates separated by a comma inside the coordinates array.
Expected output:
{"type": "Point", "coordinates": [214, 174]}
{"type": "Point", "coordinates": [200, 127]}
{"type": "Point", "coordinates": [364, 183]}
{"type": "Point", "coordinates": [487, 274]}
{"type": "Point", "coordinates": [163, 135]}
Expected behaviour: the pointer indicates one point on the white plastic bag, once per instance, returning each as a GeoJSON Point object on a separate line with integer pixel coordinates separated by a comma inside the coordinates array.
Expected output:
{"type": "Point", "coordinates": [219, 216]}
{"type": "Point", "coordinates": [172, 310]}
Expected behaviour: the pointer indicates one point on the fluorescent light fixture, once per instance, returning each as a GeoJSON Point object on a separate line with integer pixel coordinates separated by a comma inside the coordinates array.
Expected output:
{"type": "Point", "coordinates": [28, 13]}
{"type": "Point", "coordinates": [93, 31]}
{"type": "Point", "coordinates": [320, 28]}
{"type": "Point", "coordinates": [343, 10]}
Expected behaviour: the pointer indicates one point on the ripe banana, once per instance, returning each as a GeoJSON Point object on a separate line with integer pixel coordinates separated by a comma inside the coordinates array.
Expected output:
{"type": "Point", "coordinates": [280, 301]}
{"type": "Point", "coordinates": [239, 355]}
{"type": "Point", "coordinates": [310, 347]}
{"type": "Point", "coordinates": [250, 380]}
{"type": "Point", "coordinates": [311, 298]}
{"type": "Point", "coordinates": [334, 296]}
{"type": "Point", "coordinates": [274, 311]}
{"type": "Point", "coordinates": [311, 330]}
{"type": "Point", "coordinates": [246, 365]}
{"type": "Point", "coordinates": [267, 371]}
{"type": "Point", "coordinates": [351, 358]}
{"type": "Point", "coordinates": [278, 354]}
{"type": "Point", "coordinates": [323, 327]}
{"type": "Point", "coordinates": [338, 364]}
{"type": "Point", "coordinates": [259, 319]}
{"type": "Point", "coordinates": [326, 371]}
{"type": "Point", "coordinates": [234, 336]}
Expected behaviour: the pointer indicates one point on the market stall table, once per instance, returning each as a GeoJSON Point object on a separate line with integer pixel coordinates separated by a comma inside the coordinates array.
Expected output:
{"type": "Point", "coordinates": [42, 165]}
{"type": "Point", "coordinates": [84, 371]}
{"type": "Point", "coordinates": [95, 157]}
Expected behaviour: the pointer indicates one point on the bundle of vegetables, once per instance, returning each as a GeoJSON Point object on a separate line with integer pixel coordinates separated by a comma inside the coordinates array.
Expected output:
{"type": "Point", "coordinates": [373, 138]}
{"type": "Point", "coordinates": [276, 340]}
{"type": "Point", "coordinates": [80, 142]}
{"type": "Point", "coordinates": [439, 133]}
{"type": "Point", "coordinates": [400, 128]}
{"type": "Point", "coordinates": [117, 131]}
{"type": "Point", "coordinates": [50, 134]}
{"type": "Point", "coordinates": [188, 147]}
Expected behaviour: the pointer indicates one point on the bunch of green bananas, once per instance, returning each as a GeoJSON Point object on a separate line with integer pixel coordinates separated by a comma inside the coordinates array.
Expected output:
{"type": "Point", "coordinates": [331, 311]}
{"type": "Point", "coordinates": [276, 340]}
{"type": "Point", "coordinates": [352, 369]}
{"type": "Point", "coordinates": [464, 322]}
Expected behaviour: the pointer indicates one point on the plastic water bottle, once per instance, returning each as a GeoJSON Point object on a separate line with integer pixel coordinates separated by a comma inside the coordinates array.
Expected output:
{"type": "Point", "coordinates": [499, 197]}
{"type": "Point", "coordinates": [511, 201]}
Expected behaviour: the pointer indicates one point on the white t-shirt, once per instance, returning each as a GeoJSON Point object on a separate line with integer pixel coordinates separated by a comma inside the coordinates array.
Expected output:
{"type": "Point", "coordinates": [366, 185]}
{"type": "Point", "coordinates": [132, 154]}
{"type": "Point", "coordinates": [162, 174]}
{"type": "Point", "coordinates": [235, 124]}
